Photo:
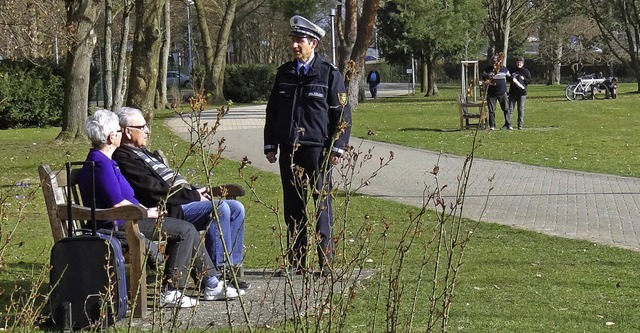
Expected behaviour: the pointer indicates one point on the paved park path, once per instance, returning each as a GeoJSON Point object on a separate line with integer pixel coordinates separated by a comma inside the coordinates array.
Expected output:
{"type": "Point", "coordinates": [601, 208]}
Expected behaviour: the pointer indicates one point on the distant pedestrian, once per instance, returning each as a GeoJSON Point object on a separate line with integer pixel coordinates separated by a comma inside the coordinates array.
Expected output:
{"type": "Point", "coordinates": [373, 79]}
{"type": "Point", "coordinates": [496, 77]}
{"type": "Point", "coordinates": [520, 78]}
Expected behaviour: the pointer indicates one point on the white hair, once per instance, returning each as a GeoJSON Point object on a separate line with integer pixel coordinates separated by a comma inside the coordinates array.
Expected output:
{"type": "Point", "coordinates": [126, 113]}
{"type": "Point", "coordinates": [99, 126]}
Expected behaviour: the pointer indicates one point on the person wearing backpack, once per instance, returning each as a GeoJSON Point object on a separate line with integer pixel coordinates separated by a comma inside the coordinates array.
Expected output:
{"type": "Point", "coordinates": [373, 79]}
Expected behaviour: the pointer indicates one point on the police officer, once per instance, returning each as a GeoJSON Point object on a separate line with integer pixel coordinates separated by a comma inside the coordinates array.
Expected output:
{"type": "Point", "coordinates": [308, 120]}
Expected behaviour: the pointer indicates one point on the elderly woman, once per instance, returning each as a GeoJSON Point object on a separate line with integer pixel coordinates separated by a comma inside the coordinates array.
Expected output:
{"type": "Point", "coordinates": [183, 240]}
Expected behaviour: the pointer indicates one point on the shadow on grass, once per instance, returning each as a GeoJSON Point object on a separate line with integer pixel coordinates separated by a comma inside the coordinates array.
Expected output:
{"type": "Point", "coordinates": [409, 99]}
{"type": "Point", "coordinates": [439, 130]}
{"type": "Point", "coordinates": [22, 276]}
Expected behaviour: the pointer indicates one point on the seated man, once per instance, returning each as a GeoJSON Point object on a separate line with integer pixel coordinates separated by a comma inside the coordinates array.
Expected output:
{"type": "Point", "coordinates": [183, 241]}
{"type": "Point", "coordinates": [154, 182]}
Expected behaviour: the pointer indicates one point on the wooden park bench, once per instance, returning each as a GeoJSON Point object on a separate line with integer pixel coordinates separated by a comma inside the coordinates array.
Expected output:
{"type": "Point", "coordinates": [466, 116]}
{"type": "Point", "coordinates": [54, 188]}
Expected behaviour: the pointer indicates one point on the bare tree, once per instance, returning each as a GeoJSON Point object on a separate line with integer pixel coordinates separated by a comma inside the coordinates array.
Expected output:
{"type": "Point", "coordinates": [144, 57]}
{"type": "Point", "coordinates": [121, 83]}
{"type": "Point", "coordinates": [619, 25]}
{"type": "Point", "coordinates": [354, 34]}
{"type": "Point", "coordinates": [81, 19]}
{"type": "Point", "coordinates": [215, 56]}
{"type": "Point", "coordinates": [32, 29]}
{"type": "Point", "coordinates": [107, 73]}
{"type": "Point", "coordinates": [161, 97]}
{"type": "Point", "coordinates": [503, 17]}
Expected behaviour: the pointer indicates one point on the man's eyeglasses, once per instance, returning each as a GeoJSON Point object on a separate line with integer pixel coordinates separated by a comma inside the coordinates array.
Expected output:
{"type": "Point", "coordinates": [141, 127]}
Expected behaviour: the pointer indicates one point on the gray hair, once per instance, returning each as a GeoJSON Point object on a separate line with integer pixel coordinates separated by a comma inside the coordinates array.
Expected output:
{"type": "Point", "coordinates": [99, 126]}
{"type": "Point", "coordinates": [126, 113]}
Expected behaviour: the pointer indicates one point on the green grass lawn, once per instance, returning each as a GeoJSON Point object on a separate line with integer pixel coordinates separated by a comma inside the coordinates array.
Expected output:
{"type": "Point", "coordinates": [599, 136]}
{"type": "Point", "coordinates": [511, 280]}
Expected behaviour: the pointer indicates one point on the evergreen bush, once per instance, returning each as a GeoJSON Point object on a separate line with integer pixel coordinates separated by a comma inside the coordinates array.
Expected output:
{"type": "Point", "coordinates": [30, 96]}
{"type": "Point", "coordinates": [248, 83]}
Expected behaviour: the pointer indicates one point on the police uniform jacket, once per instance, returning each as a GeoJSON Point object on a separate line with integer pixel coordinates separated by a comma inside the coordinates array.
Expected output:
{"type": "Point", "coordinates": [306, 109]}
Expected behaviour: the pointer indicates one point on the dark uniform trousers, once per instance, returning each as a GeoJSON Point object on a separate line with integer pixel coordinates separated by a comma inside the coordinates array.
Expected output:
{"type": "Point", "coordinates": [295, 189]}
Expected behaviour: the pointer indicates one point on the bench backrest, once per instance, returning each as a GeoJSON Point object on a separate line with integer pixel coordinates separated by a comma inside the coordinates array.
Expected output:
{"type": "Point", "coordinates": [54, 188]}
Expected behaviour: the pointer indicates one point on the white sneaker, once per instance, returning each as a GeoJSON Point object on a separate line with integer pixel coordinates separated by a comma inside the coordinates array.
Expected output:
{"type": "Point", "coordinates": [221, 292]}
{"type": "Point", "coordinates": [174, 298]}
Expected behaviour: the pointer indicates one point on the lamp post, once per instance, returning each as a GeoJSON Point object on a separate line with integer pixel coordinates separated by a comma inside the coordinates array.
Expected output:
{"type": "Point", "coordinates": [190, 60]}
{"type": "Point", "coordinates": [332, 13]}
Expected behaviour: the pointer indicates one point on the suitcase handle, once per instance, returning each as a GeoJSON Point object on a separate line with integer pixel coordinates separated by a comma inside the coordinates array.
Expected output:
{"type": "Point", "coordinates": [92, 166]}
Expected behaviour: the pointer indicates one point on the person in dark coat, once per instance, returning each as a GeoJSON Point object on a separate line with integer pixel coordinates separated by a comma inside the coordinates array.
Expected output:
{"type": "Point", "coordinates": [373, 79]}
{"type": "Point", "coordinates": [520, 78]}
{"type": "Point", "coordinates": [496, 77]}
{"type": "Point", "coordinates": [308, 124]}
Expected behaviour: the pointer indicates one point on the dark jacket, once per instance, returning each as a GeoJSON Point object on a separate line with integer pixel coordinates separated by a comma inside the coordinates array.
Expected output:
{"type": "Point", "coordinates": [498, 81]}
{"type": "Point", "coordinates": [150, 189]}
{"type": "Point", "coordinates": [376, 81]}
{"type": "Point", "coordinates": [306, 110]}
{"type": "Point", "coordinates": [524, 77]}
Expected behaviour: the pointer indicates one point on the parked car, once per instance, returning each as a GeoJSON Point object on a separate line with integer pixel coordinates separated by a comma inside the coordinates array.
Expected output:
{"type": "Point", "coordinates": [175, 78]}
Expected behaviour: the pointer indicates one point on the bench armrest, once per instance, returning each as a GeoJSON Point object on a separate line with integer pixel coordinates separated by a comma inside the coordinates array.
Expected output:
{"type": "Point", "coordinates": [229, 191]}
{"type": "Point", "coordinates": [128, 212]}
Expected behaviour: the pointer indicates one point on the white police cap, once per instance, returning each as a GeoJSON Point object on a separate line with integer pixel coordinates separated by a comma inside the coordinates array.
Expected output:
{"type": "Point", "coordinates": [302, 27]}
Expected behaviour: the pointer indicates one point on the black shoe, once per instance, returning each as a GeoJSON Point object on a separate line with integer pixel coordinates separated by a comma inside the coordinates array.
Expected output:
{"type": "Point", "coordinates": [239, 284]}
{"type": "Point", "coordinates": [288, 271]}
{"type": "Point", "coordinates": [325, 272]}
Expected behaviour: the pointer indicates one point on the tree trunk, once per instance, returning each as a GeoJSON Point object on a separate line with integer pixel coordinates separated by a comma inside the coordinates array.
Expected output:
{"type": "Point", "coordinates": [556, 62]}
{"type": "Point", "coordinates": [121, 86]}
{"type": "Point", "coordinates": [81, 19]}
{"type": "Point", "coordinates": [221, 50]}
{"type": "Point", "coordinates": [354, 40]}
{"type": "Point", "coordinates": [506, 32]}
{"type": "Point", "coordinates": [363, 83]}
{"type": "Point", "coordinates": [144, 57]}
{"type": "Point", "coordinates": [107, 75]}
{"type": "Point", "coordinates": [432, 89]}
{"type": "Point", "coordinates": [424, 77]}
{"type": "Point", "coordinates": [164, 58]}
{"type": "Point", "coordinates": [209, 84]}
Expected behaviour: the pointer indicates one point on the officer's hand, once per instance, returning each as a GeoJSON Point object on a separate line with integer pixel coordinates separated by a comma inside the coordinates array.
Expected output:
{"type": "Point", "coordinates": [335, 159]}
{"type": "Point", "coordinates": [271, 157]}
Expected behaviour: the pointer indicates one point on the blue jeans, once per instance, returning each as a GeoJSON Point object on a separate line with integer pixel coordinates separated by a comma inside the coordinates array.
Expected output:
{"type": "Point", "coordinates": [230, 222]}
{"type": "Point", "coordinates": [519, 101]}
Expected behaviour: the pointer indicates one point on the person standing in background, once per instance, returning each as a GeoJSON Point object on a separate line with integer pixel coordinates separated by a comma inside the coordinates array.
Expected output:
{"type": "Point", "coordinates": [373, 79]}
{"type": "Point", "coordinates": [520, 78]}
{"type": "Point", "coordinates": [496, 77]}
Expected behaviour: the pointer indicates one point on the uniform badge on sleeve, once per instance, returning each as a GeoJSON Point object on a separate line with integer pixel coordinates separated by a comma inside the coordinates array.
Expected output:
{"type": "Point", "coordinates": [342, 98]}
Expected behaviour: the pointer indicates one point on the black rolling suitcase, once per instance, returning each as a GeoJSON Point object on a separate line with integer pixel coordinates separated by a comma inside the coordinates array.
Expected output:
{"type": "Point", "coordinates": [87, 275]}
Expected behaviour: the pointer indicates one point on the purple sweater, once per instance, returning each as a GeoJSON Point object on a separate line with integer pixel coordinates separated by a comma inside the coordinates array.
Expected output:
{"type": "Point", "coordinates": [111, 187]}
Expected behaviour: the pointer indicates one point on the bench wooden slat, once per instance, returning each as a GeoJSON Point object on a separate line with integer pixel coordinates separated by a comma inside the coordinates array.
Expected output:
{"type": "Point", "coordinates": [465, 115]}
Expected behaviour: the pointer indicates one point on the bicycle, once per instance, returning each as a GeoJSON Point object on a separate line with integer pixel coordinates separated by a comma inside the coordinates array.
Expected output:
{"type": "Point", "coordinates": [587, 87]}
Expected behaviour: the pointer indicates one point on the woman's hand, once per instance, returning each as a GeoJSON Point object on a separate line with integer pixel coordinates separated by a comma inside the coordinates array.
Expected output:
{"type": "Point", "coordinates": [152, 213]}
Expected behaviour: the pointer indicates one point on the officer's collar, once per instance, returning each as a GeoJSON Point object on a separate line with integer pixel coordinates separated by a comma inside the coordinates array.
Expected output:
{"type": "Point", "coordinates": [307, 65]}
